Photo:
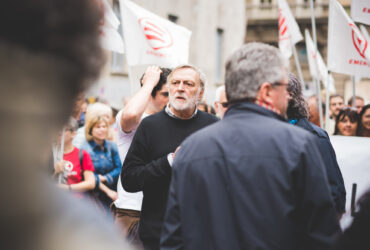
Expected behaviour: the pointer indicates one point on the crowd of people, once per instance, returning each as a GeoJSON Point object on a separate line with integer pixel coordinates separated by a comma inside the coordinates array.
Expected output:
{"type": "Point", "coordinates": [124, 164]}
{"type": "Point", "coordinates": [129, 160]}
{"type": "Point", "coordinates": [254, 173]}
{"type": "Point", "coordinates": [344, 120]}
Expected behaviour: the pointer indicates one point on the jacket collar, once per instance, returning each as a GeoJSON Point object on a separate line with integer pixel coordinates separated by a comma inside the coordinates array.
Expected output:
{"type": "Point", "coordinates": [95, 146]}
{"type": "Point", "coordinates": [252, 107]}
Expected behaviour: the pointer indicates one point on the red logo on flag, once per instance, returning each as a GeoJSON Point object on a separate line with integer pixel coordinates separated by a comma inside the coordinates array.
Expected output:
{"type": "Point", "coordinates": [157, 36]}
{"type": "Point", "coordinates": [283, 28]}
{"type": "Point", "coordinates": [358, 40]}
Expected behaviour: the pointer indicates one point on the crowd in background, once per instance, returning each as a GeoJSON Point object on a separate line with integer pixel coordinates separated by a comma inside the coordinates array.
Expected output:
{"type": "Point", "coordinates": [92, 165]}
{"type": "Point", "coordinates": [259, 177]}
{"type": "Point", "coordinates": [344, 119]}
{"type": "Point", "coordinates": [94, 131]}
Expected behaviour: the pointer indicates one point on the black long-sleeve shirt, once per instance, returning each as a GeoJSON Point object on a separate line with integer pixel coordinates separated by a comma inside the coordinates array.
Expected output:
{"type": "Point", "coordinates": [147, 169]}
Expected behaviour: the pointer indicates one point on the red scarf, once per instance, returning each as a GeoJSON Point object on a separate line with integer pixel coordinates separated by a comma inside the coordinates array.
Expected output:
{"type": "Point", "coordinates": [267, 106]}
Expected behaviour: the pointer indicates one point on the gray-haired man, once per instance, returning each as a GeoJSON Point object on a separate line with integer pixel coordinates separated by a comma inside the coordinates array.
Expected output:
{"type": "Point", "coordinates": [259, 185]}
{"type": "Point", "coordinates": [221, 101]}
{"type": "Point", "coordinates": [147, 166]}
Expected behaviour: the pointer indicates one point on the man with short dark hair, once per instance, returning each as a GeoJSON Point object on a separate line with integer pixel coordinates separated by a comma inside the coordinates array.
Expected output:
{"type": "Point", "coordinates": [251, 180]}
{"type": "Point", "coordinates": [360, 102]}
{"type": "Point", "coordinates": [147, 166]}
{"type": "Point", "coordinates": [336, 103]}
{"type": "Point", "coordinates": [150, 99]}
{"type": "Point", "coordinates": [297, 115]}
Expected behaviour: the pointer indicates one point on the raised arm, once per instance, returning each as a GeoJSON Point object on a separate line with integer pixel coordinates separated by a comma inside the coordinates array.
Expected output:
{"type": "Point", "coordinates": [136, 106]}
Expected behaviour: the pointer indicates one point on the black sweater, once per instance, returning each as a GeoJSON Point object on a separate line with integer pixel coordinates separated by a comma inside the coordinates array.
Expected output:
{"type": "Point", "coordinates": [147, 169]}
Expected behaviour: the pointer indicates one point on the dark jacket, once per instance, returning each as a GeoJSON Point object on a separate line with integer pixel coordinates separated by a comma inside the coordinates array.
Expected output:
{"type": "Point", "coordinates": [338, 191]}
{"type": "Point", "coordinates": [250, 181]}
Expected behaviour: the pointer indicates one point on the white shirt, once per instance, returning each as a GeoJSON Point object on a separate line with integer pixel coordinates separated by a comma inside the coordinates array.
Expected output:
{"type": "Point", "coordinates": [125, 199]}
{"type": "Point", "coordinates": [80, 138]}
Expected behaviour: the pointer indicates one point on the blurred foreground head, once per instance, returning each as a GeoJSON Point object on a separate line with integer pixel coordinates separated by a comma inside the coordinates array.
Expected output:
{"type": "Point", "coordinates": [49, 52]}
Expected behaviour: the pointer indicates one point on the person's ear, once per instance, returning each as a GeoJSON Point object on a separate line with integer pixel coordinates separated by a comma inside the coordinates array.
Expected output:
{"type": "Point", "coordinates": [201, 95]}
{"type": "Point", "coordinates": [265, 93]}
{"type": "Point", "coordinates": [216, 107]}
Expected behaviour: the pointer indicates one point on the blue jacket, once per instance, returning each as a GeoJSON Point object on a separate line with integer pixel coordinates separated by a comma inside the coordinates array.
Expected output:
{"type": "Point", "coordinates": [249, 181]}
{"type": "Point", "coordinates": [338, 191]}
{"type": "Point", "coordinates": [106, 162]}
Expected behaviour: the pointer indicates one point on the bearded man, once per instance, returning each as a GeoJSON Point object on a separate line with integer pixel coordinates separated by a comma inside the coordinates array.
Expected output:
{"type": "Point", "coordinates": [147, 166]}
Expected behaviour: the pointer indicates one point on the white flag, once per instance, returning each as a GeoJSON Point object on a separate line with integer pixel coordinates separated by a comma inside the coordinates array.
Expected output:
{"type": "Point", "coordinates": [289, 33]}
{"type": "Point", "coordinates": [348, 49]}
{"type": "Point", "coordinates": [150, 39]}
{"type": "Point", "coordinates": [360, 11]}
{"type": "Point", "coordinates": [365, 33]}
{"type": "Point", "coordinates": [317, 64]}
{"type": "Point", "coordinates": [110, 38]}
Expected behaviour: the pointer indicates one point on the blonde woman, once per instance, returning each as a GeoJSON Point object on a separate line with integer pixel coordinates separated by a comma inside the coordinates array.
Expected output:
{"type": "Point", "coordinates": [105, 157]}
{"type": "Point", "coordinates": [93, 110]}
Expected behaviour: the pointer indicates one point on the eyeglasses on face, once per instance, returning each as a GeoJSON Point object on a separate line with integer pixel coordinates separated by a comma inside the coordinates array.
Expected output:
{"type": "Point", "coordinates": [280, 84]}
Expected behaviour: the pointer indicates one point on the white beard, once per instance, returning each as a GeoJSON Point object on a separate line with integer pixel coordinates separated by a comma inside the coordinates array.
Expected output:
{"type": "Point", "coordinates": [189, 103]}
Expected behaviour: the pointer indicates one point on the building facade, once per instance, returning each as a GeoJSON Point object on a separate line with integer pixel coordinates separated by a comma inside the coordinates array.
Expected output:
{"type": "Point", "coordinates": [218, 28]}
{"type": "Point", "coordinates": [263, 27]}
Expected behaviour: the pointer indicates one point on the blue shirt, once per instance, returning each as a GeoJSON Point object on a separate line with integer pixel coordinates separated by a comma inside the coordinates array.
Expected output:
{"type": "Point", "coordinates": [106, 161]}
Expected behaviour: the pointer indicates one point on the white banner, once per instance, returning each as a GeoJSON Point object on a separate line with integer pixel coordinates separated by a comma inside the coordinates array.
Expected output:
{"type": "Point", "coordinates": [110, 38]}
{"type": "Point", "coordinates": [354, 162]}
{"type": "Point", "coordinates": [360, 11]}
{"type": "Point", "coordinates": [317, 65]}
{"type": "Point", "coordinates": [289, 33]}
{"type": "Point", "coordinates": [150, 39]}
{"type": "Point", "coordinates": [365, 33]}
{"type": "Point", "coordinates": [348, 49]}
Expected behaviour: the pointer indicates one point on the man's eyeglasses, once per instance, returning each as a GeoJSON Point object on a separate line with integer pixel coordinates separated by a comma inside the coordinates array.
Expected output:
{"type": "Point", "coordinates": [280, 84]}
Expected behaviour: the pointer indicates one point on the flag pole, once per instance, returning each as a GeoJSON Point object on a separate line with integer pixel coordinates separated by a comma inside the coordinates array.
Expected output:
{"type": "Point", "coordinates": [61, 153]}
{"type": "Point", "coordinates": [353, 91]}
{"type": "Point", "coordinates": [298, 66]}
{"type": "Point", "coordinates": [315, 48]}
{"type": "Point", "coordinates": [327, 103]}
{"type": "Point", "coordinates": [320, 101]}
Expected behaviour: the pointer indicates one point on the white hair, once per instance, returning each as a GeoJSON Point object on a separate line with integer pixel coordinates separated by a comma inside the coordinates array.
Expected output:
{"type": "Point", "coordinates": [219, 91]}
{"type": "Point", "coordinates": [202, 76]}
{"type": "Point", "coordinates": [98, 109]}
{"type": "Point", "coordinates": [250, 66]}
